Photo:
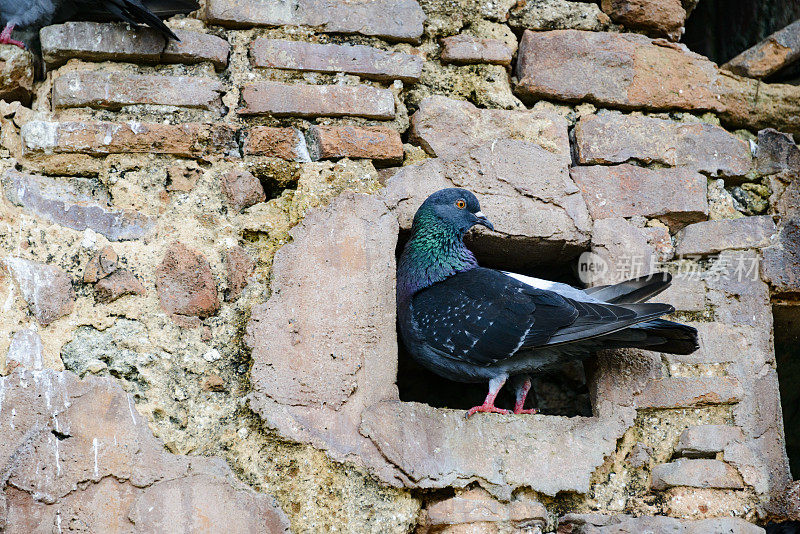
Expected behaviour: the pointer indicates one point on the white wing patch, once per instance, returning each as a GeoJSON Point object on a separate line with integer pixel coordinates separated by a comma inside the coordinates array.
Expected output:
{"type": "Point", "coordinates": [564, 290]}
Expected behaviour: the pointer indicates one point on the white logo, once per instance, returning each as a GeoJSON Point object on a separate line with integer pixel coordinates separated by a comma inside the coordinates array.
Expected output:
{"type": "Point", "coordinates": [591, 267]}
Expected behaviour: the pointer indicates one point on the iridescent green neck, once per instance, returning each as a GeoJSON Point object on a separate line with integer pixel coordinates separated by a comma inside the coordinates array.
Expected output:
{"type": "Point", "coordinates": [433, 253]}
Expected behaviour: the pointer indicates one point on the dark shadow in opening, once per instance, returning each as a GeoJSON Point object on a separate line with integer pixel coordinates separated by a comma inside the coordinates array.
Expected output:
{"type": "Point", "coordinates": [787, 357]}
{"type": "Point", "coordinates": [722, 29]}
{"type": "Point", "coordinates": [561, 393]}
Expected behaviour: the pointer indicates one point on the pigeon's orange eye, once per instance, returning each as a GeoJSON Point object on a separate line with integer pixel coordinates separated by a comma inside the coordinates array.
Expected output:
{"type": "Point", "coordinates": [461, 203]}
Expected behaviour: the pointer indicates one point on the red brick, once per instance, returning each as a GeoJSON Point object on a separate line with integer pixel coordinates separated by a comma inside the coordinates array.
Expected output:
{"type": "Point", "coordinates": [660, 18]}
{"type": "Point", "coordinates": [186, 287]}
{"type": "Point", "coordinates": [365, 61]}
{"type": "Point", "coordinates": [285, 143]}
{"type": "Point", "coordinates": [465, 49]}
{"type": "Point", "coordinates": [380, 144]}
{"type": "Point", "coordinates": [770, 55]}
{"type": "Point", "coordinates": [281, 99]}
{"type": "Point", "coordinates": [391, 19]}
{"type": "Point", "coordinates": [632, 71]}
{"type": "Point", "coordinates": [101, 90]}
{"type": "Point", "coordinates": [242, 189]}
{"type": "Point", "coordinates": [197, 140]}
{"type": "Point", "coordinates": [614, 137]}
{"type": "Point", "coordinates": [95, 41]}
{"type": "Point", "coordinates": [675, 195]}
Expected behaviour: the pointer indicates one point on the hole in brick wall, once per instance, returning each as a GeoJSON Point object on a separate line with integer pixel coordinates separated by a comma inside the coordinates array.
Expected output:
{"type": "Point", "coordinates": [722, 29]}
{"type": "Point", "coordinates": [787, 356]}
{"type": "Point", "coordinates": [563, 392]}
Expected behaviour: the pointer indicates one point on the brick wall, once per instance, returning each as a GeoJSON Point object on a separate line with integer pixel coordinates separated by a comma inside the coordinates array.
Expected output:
{"type": "Point", "coordinates": [197, 267]}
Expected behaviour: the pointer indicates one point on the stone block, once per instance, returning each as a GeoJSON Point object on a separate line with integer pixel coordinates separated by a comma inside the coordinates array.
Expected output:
{"type": "Point", "coordinates": [282, 99]}
{"type": "Point", "coordinates": [242, 189]}
{"type": "Point", "coordinates": [45, 288]}
{"type": "Point", "coordinates": [186, 288]}
{"type": "Point", "coordinates": [16, 74]}
{"type": "Point", "coordinates": [696, 474]}
{"type": "Point", "coordinates": [705, 441]}
{"type": "Point", "coordinates": [284, 143]}
{"type": "Point", "coordinates": [659, 18]}
{"type": "Point", "coordinates": [382, 145]}
{"type": "Point", "coordinates": [711, 237]}
{"type": "Point", "coordinates": [687, 392]}
{"type": "Point", "coordinates": [464, 49]}
{"type": "Point", "coordinates": [364, 61]}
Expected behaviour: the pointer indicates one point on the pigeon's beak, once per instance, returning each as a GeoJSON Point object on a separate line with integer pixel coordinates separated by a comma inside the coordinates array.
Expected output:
{"type": "Point", "coordinates": [482, 220]}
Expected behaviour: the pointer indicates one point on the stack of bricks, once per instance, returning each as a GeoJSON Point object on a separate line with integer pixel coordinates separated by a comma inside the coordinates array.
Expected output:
{"type": "Point", "coordinates": [147, 187]}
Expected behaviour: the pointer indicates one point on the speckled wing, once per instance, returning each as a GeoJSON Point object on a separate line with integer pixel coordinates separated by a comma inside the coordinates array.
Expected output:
{"type": "Point", "coordinates": [481, 316]}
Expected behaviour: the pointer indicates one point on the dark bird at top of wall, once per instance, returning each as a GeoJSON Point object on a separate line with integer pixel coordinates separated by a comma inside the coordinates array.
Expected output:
{"type": "Point", "coordinates": [472, 324]}
{"type": "Point", "coordinates": [38, 13]}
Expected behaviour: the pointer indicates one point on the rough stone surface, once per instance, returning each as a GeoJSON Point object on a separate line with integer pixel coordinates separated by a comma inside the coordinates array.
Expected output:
{"type": "Point", "coordinates": [705, 441]}
{"type": "Point", "coordinates": [777, 152]}
{"type": "Point", "coordinates": [676, 196]}
{"type": "Point", "coordinates": [47, 289]}
{"type": "Point", "coordinates": [281, 99]}
{"type": "Point", "coordinates": [710, 237]}
{"type": "Point", "coordinates": [621, 251]}
{"type": "Point", "coordinates": [62, 204]}
{"type": "Point", "coordinates": [447, 128]}
{"type": "Point", "coordinates": [242, 189]}
{"type": "Point", "coordinates": [630, 71]}
{"type": "Point", "coordinates": [786, 506]}
{"type": "Point", "coordinates": [382, 145]}
{"type": "Point", "coordinates": [770, 55]}
{"type": "Point", "coordinates": [284, 143]}
{"type": "Point", "coordinates": [697, 474]}
{"type": "Point", "coordinates": [686, 293]}
{"type": "Point", "coordinates": [100, 265]}
{"type": "Point", "coordinates": [464, 49]}
{"type": "Point", "coordinates": [111, 90]}
{"type": "Point", "coordinates": [95, 41]}
{"type": "Point", "coordinates": [623, 524]}
{"type": "Point", "coordinates": [390, 19]}
{"type": "Point", "coordinates": [100, 138]}
{"type": "Point", "coordinates": [558, 14]}
{"type": "Point", "coordinates": [186, 287]}
{"type": "Point", "coordinates": [16, 74]}
{"type": "Point", "coordinates": [365, 61]}
{"type": "Point", "coordinates": [477, 506]}
{"type": "Point", "coordinates": [685, 392]}
{"type": "Point", "coordinates": [25, 351]}
{"type": "Point", "coordinates": [660, 18]}
{"type": "Point", "coordinates": [240, 266]}
{"type": "Point", "coordinates": [106, 470]}
{"type": "Point", "coordinates": [613, 137]}
{"type": "Point", "coordinates": [781, 261]}
{"type": "Point", "coordinates": [116, 285]}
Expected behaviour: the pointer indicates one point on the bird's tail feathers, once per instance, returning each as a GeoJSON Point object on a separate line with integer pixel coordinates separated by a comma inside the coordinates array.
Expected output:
{"type": "Point", "coordinates": [657, 335]}
{"type": "Point", "coordinates": [632, 291]}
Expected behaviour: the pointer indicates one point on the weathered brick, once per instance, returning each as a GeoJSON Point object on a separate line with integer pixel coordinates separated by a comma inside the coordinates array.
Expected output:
{"type": "Point", "coordinates": [185, 284]}
{"type": "Point", "coordinates": [365, 61]}
{"type": "Point", "coordinates": [632, 71]}
{"type": "Point", "coordinates": [780, 264]}
{"type": "Point", "coordinates": [448, 128]}
{"type": "Point", "coordinates": [675, 195]}
{"type": "Point", "coordinates": [100, 265]}
{"type": "Point", "coordinates": [777, 152]}
{"type": "Point", "coordinates": [285, 143]}
{"type": "Point", "coordinates": [660, 18]}
{"type": "Point", "coordinates": [706, 440]}
{"type": "Point", "coordinates": [62, 204]}
{"type": "Point", "coordinates": [46, 288]}
{"type": "Point", "coordinates": [16, 74]}
{"type": "Point", "coordinates": [613, 137]}
{"type": "Point", "coordinates": [116, 285]}
{"type": "Point", "coordinates": [478, 506]}
{"type": "Point", "coordinates": [770, 55]}
{"type": "Point", "coordinates": [391, 19]}
{"type": "Point", "coordinates": [195, 140]}
{"type": "Point", "coordinates": [696, 474]}
{"type": "Point", "coordinates": [242, 189]}
{"type": "Point", "coordinates": [686, 392]}
{"type": "Point", "coordinates": [281, 99]}
{"type": "Point", "coordinates": [466, 49]}
{"type": "Point", "coordinates": [710, 237]}
{"type": "Point", "coordinates": [380, 144]}
{"type": "Point", "coordinates": [95, 41]}
{"type": "Point", "coordinates": [113, 90]}
{"type": "Point", "coordinates": [685, 294]}
{"type": "Point", "coordinates": [549, 14]}
{"type": "Point", "coordinates": [240, 266]}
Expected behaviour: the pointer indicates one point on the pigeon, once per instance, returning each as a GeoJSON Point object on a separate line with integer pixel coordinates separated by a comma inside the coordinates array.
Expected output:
{"type": "Point", "coordinates": [39, 13]}
{"type": "Point", "coordinates": [471, 324]}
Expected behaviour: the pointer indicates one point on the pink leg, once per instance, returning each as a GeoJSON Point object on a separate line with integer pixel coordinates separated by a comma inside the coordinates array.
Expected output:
{"type": "Point", "coordinates": [522, 393]}
{"type": "Point", "coordinates": [5, 37]}
{"type": "Point", "coordinates": [488, 405]}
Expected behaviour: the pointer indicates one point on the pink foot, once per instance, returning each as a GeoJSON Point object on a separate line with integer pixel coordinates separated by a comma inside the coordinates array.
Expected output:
{"type": "Point", "coordinates": [5, 37]}
{"type": "Point", "coordinates": [531, 411]}
{"type": "Point", "coordinates": [485, 408]}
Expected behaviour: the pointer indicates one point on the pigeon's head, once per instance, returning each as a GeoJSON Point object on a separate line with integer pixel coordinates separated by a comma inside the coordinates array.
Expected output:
{"type": "Point", "coordinates": [456, 209]}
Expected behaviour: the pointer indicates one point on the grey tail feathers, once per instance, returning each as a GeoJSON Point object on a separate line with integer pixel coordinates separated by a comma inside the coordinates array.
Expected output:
{"type": "Point", "coordinates": [658, 335]}
{"type": "Point", "coordinates": [632, 291]}
{"type": "Point", "coordinates": [134, 11]}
